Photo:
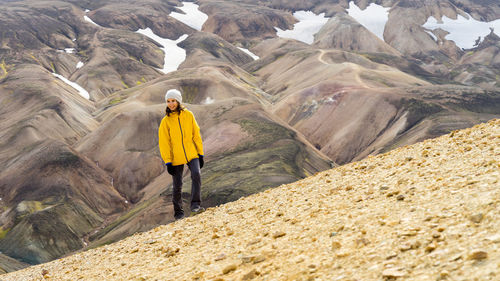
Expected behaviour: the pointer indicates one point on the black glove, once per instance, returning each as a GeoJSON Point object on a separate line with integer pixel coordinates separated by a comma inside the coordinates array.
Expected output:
{"type": "Point", "coordinates": [170, 168]}
{"type": "Point", "coordinates": [201, 161]}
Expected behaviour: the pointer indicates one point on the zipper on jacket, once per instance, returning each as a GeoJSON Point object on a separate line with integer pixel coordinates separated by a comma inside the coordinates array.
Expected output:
{"type": "Point", "coordinates": [182, 137]}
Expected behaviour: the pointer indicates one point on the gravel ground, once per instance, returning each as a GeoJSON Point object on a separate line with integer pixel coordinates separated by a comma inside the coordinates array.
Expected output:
{"type": "Point", "coordinates": [423, 212]}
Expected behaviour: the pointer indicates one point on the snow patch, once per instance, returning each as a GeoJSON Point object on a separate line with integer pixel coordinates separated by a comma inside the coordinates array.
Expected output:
{"type": "Point", "coordinates": [89, 19]}
{"type": "Point", "coordinates": [174, 55]}
{"type": "Point", "coordinates": [432, 35]}
{"type": "Point", "coordinates": [308, 25]}
{"type": "Point", "coordinates": [77, 87]}
{"type": "Point", "coordinates": [373, 18]}
{"type": "Point", "coordinates": [209, 100]}
{"type": "Point", "coordinates": [70, 50]}
{"type": "Point", "coordinates": [254, 56]}
{"type": "Point", "coordinates": [79, 64]}
{"type": "Point", "coordinates": [330, 100]}
{"type": "Point", "coordinates": [464, 32]}
{"type": "Point", "coordinates": [192, 16]}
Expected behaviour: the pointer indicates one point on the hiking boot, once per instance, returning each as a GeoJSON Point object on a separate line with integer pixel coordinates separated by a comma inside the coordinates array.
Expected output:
{"type": "Point", "coordinates": [197, 210]}
{"type": "Point", "coordinates": [178, 216]}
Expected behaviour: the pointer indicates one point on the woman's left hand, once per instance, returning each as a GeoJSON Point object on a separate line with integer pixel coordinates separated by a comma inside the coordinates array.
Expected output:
{"type": "Point", "coordinates": [201, 161]}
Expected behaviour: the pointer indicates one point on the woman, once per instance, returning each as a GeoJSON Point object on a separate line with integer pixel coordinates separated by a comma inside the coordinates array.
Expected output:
{"type": "Point", "coordinates": [180, 143]}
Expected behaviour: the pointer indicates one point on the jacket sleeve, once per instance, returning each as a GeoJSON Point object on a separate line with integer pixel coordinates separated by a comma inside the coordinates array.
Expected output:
{"type": "Point", "coordinates": [164, 142]}
{"type": "Point", "coordinates": [197, 137]}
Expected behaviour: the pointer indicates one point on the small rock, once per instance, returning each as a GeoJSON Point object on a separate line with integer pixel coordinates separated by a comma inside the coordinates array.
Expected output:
{"type": "Point", "coordinates": [444, 274]}
{"type": "Point", "coordinates": [299, 259]}
{"type": "Point", "coordinates": [259, 258]}
{"type": "Point", "coordinates": [333, 234]}
{"type": "Point", "coordinates": [494, 238]}
{"type": "Point", "coordinates": [336, 245]}
{"type": "Point", "coordinates": [384, 187]}
{"type": "Point", "coordinates": [150, 241]}
{"type": "Point", "coordinates": [229, 268]}
{"type": "Point", "coordinates": [45, 272]}
{"type": "Point", "coordinates": [405, 247]}
{"type": "Point", "coordinates": [279, 234]}
{"type": "Point", "coordinates": [478, 255]}
{"type": "Point", "coordinates": [477, 218]}
{"type": "Point", "coordinates": [220, 257]}
{"type": "Point", "coordinates": [431, 247]}
{"type": "Point", "coordinates": [401, 197]}
{"type": "Point", "coordinates": [391, 255]}
{"type": "Point", "coordinates": [253, 242]}
{"type": "Point", "coordinates": [250, 275]}
{"type": "Point", "coordinates": [393, 273]}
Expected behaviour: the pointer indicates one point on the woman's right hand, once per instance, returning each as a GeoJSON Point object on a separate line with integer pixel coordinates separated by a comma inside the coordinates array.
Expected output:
{"type": "Point", "coordinates": [170, 168]}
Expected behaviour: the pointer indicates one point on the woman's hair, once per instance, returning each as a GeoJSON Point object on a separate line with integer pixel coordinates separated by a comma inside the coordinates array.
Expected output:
{"type": "Point", "coordinates": [179, 108]}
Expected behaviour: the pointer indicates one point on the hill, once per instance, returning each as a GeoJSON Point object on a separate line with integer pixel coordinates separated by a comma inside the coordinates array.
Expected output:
{"type": "Point", "coordinates": [421, 212]}
{"type": "Point", "coordinates": [280, 89]}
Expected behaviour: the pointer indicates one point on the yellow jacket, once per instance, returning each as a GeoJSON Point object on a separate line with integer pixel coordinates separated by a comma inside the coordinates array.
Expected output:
{"type": "Point", "coordinates": [179, 138]}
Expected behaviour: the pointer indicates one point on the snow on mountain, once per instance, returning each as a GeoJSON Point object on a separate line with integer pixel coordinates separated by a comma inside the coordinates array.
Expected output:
{"type": "Point", "coordinates": [192, 16]}
{"type": "Point", "coordinates": [209, 100]}
{"type": "Point", "coordinates": [308, 25]}
{"type": "Point", "coordinates": [77, 87]}
{"type": "Point", "coordinates": [89, 19]}
{"type": "Point", "coordinates": [174, 55]}
{"type": "Point", "coordinates": [254, 56]}
{"type": "Point", "coordinates": [463, 31]}
{"type": "Point", "coordinates": [374, 17]}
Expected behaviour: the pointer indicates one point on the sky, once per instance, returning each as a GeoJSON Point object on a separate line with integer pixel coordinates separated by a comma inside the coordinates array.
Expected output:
{"type": "Point", "coordinates": [304, 30]}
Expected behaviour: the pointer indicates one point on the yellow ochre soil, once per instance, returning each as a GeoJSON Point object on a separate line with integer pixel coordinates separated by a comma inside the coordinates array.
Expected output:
{"type": "Point", "coordinates": [430, 211]}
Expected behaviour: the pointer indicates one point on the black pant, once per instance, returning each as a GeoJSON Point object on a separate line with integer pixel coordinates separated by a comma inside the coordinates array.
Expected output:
{"type": "Point", "coordinates": [194, 167]}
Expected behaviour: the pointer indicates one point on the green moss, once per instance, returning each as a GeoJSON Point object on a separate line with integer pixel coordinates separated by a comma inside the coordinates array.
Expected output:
{"type": "Point", "coordinates": [249, 172]}
{"type": "Point", "coordinates": [263, 132]}
{"type": "Point", "coordinates": [478, 79]}
{"type": "Point", "coordinates": [3, 66]}
{"type": "Point", "coordinates": [122, 219]}
{"type": "Point", "coordinates": [3, 232]}
{"type": "Point", "coordinates": [115, 101]}
{"type": "Point", "coordinates": [65, 159]}
{"type": "Point", "coordinates": [418, 109]}
{"type": "Point", "coordinates": [189, 93]}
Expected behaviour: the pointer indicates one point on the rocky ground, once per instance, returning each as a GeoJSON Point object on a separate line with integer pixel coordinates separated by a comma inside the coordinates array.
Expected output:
{"type": "Point", "coordinates": [421, 212]}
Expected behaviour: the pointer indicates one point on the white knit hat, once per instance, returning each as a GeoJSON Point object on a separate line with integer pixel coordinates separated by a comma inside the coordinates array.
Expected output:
{"type": "Point", "coordinates": [173, 94]}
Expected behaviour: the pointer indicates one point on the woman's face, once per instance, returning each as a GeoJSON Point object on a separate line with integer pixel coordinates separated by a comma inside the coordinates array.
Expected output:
{"type": "Point", "coordinates": [172, 104]}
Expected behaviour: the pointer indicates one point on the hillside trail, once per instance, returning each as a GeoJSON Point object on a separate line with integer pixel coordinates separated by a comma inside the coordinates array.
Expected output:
{"type": "Point", "coordinates": [356, 69]}
{"type": "Point", "coordinates": [422, 212]}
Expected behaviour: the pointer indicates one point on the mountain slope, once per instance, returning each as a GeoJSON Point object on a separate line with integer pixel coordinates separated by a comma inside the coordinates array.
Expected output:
{"type": "Point", "coordinates": [421, 212]}
{"type": "Point", "coordinates": [91, 167]}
